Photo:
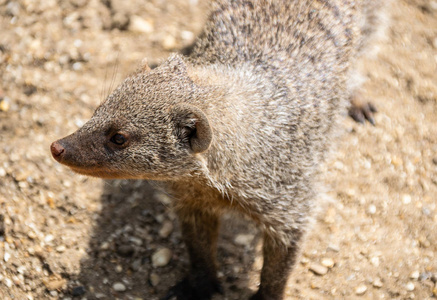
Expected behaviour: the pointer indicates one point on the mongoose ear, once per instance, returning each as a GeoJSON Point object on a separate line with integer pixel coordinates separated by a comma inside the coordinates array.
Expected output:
{"type": "Point", "coordinates": [192, 127]}
{"type": "Point", "coordinates": [145, 66]}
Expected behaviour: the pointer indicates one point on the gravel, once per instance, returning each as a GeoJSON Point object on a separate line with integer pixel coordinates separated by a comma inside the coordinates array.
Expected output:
{"type": "Point", "coordinates": [61, 233]}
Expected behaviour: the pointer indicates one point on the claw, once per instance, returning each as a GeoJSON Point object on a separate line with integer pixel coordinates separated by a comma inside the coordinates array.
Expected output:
{"type": "Point", "coordinates": [362, 112]}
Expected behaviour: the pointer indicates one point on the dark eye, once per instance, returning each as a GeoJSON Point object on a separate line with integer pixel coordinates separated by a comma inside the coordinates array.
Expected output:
{"type": "Point", "coordinates": [118, 139]}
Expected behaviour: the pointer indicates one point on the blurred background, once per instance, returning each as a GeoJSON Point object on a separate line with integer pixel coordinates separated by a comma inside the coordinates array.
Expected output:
{"type": "Point", "coordinates": [65, 236]}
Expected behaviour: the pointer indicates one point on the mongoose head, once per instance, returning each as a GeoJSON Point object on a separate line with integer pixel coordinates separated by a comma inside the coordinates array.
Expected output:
{"type": "Point", "coordinates": [148, 128]}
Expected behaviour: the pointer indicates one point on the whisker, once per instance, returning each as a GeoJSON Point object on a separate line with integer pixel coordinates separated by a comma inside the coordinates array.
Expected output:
{"type": "Point", "coordinates": [114, 74]}
{"type": "Point", "coordinates": [102, 91]}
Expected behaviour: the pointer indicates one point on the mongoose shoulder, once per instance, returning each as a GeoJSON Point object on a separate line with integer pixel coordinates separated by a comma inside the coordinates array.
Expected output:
{"type": "Point", "coordinates": [243, 123]}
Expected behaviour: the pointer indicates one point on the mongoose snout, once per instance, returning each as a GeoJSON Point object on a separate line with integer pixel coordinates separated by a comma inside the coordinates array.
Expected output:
{"type": "Point", "coordinates": [57, 150]}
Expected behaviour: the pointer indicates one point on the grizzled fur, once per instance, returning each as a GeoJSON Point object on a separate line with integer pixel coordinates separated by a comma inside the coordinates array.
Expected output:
{"type": "Point", "coordinates": [241, 124]}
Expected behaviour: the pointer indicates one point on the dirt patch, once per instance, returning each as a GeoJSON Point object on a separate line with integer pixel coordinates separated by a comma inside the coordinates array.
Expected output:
{"type": "Point", "coordinates": [64, 236]}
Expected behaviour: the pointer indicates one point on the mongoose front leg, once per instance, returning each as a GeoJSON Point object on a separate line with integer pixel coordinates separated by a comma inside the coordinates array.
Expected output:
{"type": "Point", "coordinates": [200, 232]}
{"type": "Point", "coordinates": [279, 260]}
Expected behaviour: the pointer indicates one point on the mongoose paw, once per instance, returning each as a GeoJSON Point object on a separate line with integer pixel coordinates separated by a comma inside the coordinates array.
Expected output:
{"type": "Point", "coordinates": [362, 111]}
{"type": "Point", "coordinates": [201, 289]}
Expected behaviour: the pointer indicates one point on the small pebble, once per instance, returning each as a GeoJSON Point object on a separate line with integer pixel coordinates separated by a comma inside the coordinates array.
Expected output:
{"type": "Point", "coordinates": [410, 286]}
{"type": "Point", "coordinates": [187, 36]}
{"type": "Point", "coordinates": [160, 218]}
{"type": "Point", "coordinates": [104, 246]}
{"type": "Point", "coordinates": [315, 285]}
{"type": "Point", "coordinates": [374, 261]}
{"type": "Point", "coordinates": [21, 269]}
{"type": "Point", "coordinates": [333, 248]}
{"type": "Point", "coordinates": [154, 279]}
{"type": "Point", "coordinates": [361, 289]}
{"type": "Point", "coordinates": [119, 287]}
{"type": "Point", "coordinates": [304, 260]}
{"type": "Point", "coordinates": [6, 256]}
{"type": "Point", "coordinates": [406, 199]}
{"type": "Point", "coordinates": [60, 248]}
{"type": "Point", "coordinates": [328, 262]}
{"type": "Point", "coordinates": [77, 66]}
{"type": "Point", "coordinates": [377, 283]}
{"type": "Point", "coordinates": [49, 238]}
{"type": "Point", "coordinates": [136, 241]}
{"type": "Point", "coordinates": [136, 265]}
{"type": "Point", "coordinates": [32, 235]}
{"type": "Point", "coordinates": [4, 105]}
{"type": "Point", "coordinates": [371, 210]}
{"type": "Point", "coordinates": [100, 296]}
{"type": "Point", "coordinates": [8, 282]}
{"type": "Point", "coordinates": [318, 269]}
{"type": "Point", "coordinates": [169, 42]}
{"type": "Point", "coordinates": [415, 275]}
{"type": "Point", "coordinates": [54, 294]}
{"type": "Point", "coordinates": [118, 269]}
{"type": "Point", "coordinates": [139, 24]}
{"type": "Point", "coordinates": [166, 229]}
{"type": "Point", "coordinates": [161, 257]}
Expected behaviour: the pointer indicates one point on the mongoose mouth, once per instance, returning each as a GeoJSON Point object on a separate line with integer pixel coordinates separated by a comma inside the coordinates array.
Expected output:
{"type": "Point", "coordinates": [100, 173]}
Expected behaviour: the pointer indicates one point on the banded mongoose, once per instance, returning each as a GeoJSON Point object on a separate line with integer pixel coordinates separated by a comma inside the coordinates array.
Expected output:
{"type": "Point", "coordinates": [242, 123]}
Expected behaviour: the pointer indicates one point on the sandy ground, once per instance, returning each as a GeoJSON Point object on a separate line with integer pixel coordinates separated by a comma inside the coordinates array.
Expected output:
{"type": "Point", "coordinates": [65, 236]}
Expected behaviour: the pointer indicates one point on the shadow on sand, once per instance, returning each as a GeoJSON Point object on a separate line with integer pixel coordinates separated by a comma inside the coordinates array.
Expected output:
{"type": "Point", "coordinates": [135, 221]}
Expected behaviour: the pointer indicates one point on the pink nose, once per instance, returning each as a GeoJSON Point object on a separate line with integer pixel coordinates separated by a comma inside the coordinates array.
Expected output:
{"type": "Point", "coordinates": [57, 150]}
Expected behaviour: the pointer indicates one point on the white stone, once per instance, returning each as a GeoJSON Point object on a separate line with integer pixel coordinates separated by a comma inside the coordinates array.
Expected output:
{"type": "Point", "coordinates": [161, 257]}
{"type": "Point", "coordinates": [139, 24]}
{"type": "Point", "coordinates": [187, 36]}
{"type": "Point", "coordinates": [119, 287]}
{"type": "Point", "coordinates": [415, 275]}
{"type": "Point", "coordinates": [406, 199]}
{"type": "Point", "coordinates": [374, 261]}
{"type": "Point", "coordinates": [60, 248]}
{"type": "Point", "coordinates": [328, 262]}
{"type": "Point", "coordinates": [371, 210]}
{"type": "Point", "coordinates": [169, 42]}
{"type": "Point", "coordinates": [166, 229]}
{"type": "Point", "coordinates": [360, 290]}
{"type": "Point", "coordinates": [410, 286]}
{"type": "Point", "coordinates": [6, 256]}
{"type": "Point", "coordinates": [377, 283]}
{"type": "Point", "coordinates": [48, 238]}
{"type": "Point", "coordinates": [318, 269]}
